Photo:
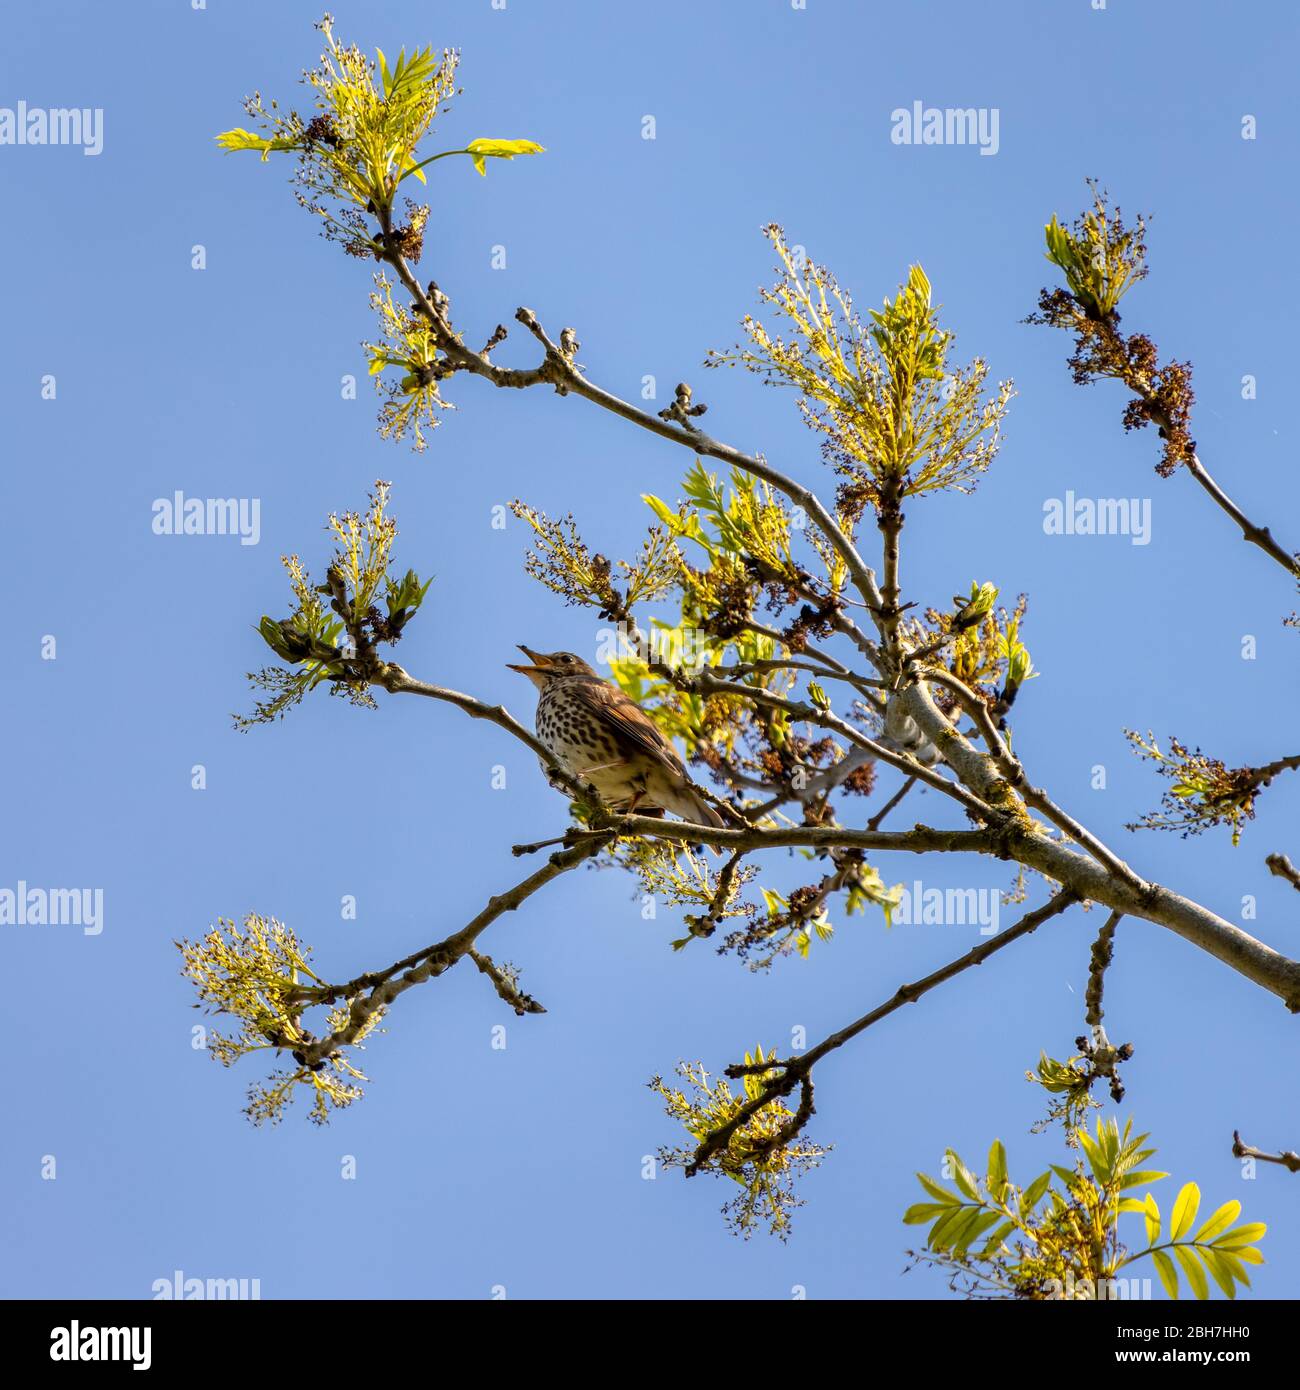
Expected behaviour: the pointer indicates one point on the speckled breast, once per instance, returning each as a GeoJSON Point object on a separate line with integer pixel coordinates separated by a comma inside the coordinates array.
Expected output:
{"type": "Point", "coordinates": [581, 743]}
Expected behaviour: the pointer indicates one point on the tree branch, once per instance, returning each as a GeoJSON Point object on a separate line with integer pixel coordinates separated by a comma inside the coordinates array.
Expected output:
{"type": "Point", "coordinates": [1259, 536]}
{"type": "Point", "coordinates": [1280, 865]}
{"type": "Point", "coordinates": [1019, 780]}
{"type": "Point", "coordinates": [796, 1069]}
{"type": "Point", "coordinates": [1289, 1159]}
{"type": "Point", "coordinates": [376, 991]}
{"type": "Point", "coordinates": [559, 369]}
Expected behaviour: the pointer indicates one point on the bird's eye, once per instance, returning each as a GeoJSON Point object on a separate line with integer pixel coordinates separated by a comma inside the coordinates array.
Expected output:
{"type": "Point", "coordinates": [566, 657]}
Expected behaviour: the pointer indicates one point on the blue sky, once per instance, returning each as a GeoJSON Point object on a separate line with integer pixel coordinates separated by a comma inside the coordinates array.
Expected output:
{"type": "Point", "coordinates": [521, 1168]}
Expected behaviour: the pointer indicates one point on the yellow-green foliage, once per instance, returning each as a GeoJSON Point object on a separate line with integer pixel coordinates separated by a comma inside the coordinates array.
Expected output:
{"type": "Point", "coordinates": [896, 418]}
{"type": "Point", "coordinates": [406, 341]}
{"type": "Point", "coordinates": [749, 518]}
{"type": "Point", "coordinates": [679, 877]}
{"type": "Point", "coordinates": [1101, 258]}
{"type": "Point", "coordinates": [257, 974]}
{"type": "Point", "coordinates": [324, 642]}
{"type": "Point", "coordinates": [764, 1169]}
{"type": "Point", "coordinates": [1058, 1237]}
{"type": "Point", "coordinates": [1204, 792]}
{"type": "Point", "coordinates": [353, 155]}
{"type": "Point", "coordinates": [363, 141]}
{"type": "Point", "coordinates": [986, 648]}
{"type": "Point", "coordinates": [562, 562]}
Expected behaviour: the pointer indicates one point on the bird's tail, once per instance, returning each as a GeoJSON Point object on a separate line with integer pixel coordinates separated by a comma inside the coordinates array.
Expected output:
{"type": "Point", "coordinates": [686, 802]}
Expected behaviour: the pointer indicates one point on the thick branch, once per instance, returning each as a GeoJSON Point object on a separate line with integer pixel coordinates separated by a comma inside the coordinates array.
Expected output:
{"type": "Point", "coordinates": [921, 839]}
{"type": "Point", "coordinates": [983, 782]}
{"type": "Point", "coordinates": [1033, 796]}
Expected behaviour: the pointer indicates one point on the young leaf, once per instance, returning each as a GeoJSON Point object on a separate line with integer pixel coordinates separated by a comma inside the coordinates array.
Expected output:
{"type": "Point", "coordinates": [1220, 1270]}
{"type": "Point", "coordinates": [1153, 1220]}
{"type": "Point", "coordinates": [1096, 1157]}
{"type": "Point", "coordinates": [239, 139]}
{"type": "Point", "coordinates": [1033, 1194]}
{"type": "Point", "coordinates": [1241, 1235]}
{"type": "Point", "coordinates": [971, 1233]}
{"type": "Point", "coordinates": [1192, 1269]}
{"type": "Point", "coordinates": [963, 1177]}
{"type": "Point", "coordinates": [996, 1237]}
{"type": "Point", "coordinates": [1138, 1178]}
{"type": "Point", "coordinates": [1168, 1274]}
{"type": "Point", "coordinates": [940, 1194]}
{"type": "Point", "coordinates": [482, 150]}
{"type": "Point", "coordinates": [997, 1169]}
{"type": "Point", "coordinates": [924, 1211]}
{"type": "Point", "coordinates": [948, 1231]}
{"type": "Point", "coordinates": [1184, 1212]}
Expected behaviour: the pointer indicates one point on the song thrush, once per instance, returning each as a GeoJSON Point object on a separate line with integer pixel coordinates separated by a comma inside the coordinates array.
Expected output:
{"type": "Point", "coordinates": [597, 733]}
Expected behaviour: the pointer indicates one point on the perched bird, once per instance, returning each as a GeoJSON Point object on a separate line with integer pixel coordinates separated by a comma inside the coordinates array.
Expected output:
{"type": "Point", "coordinates": [595, 732]}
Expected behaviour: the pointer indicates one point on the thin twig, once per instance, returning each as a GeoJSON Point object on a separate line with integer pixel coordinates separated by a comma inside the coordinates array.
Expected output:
{"type": "Point", "coordinates": [874, 822]}
{"type": "Point", "coordinates": [1280, 865]}
{"type": "Point", "coordinates": [559, 369]}
{"type": "Point", "coordinates": [795, 1068]}
{"type": "Point", "coordinates": [1289, 1159]}
{"type": "Point", "coordinates": [1259, 536]}
{"type": "Point", "coordinates": [367, 993]}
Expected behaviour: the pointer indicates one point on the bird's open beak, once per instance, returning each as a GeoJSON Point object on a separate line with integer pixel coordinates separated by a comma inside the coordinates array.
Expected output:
{"type": "Point", "coordinates": [539, 662]}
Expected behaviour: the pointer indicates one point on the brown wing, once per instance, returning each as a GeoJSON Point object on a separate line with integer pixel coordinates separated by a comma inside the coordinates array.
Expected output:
{"type": "Point", "coordinates": [627, 721]}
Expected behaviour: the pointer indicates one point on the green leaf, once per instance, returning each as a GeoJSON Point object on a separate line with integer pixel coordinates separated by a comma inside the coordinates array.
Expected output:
{"type": "Point", "coordinates": [662, 510]}
{"type": "Point", "coordinates": [1153, 1220]}
{"type": "Point", "coordinates": [1184, 1213]}
{"type": "Point", "coordinates": [1220, 1221]}
{"type": "Point", "coordinates": [947, 1232]}
{"type": "Point", "coordinates": [997, 1169]}
{"type": "Point", "coordinates": [1168, 1274]}
{"type": "Point", "coordinates": [940, 1194]}
{"type": "Point", "coordinates": [996, 1237]}
{"type": "Point", "coordinates": [1220, 1271]}
{"type": "Point", "coordinates": [481, 150]}
{"type": "Point", "coordinates": [1131, 1206]}
{"type": "Point", "coordinates": [1033, 1194]}
{"type": "Point", "coordinates": [776, 904]}
{"type": "Point", "coordinates": [972, 1233]}
{"type": "Point", "coordinates": [1242, 1235]}
{"type": "Point", "coordinates": [239, 139]}
{"type": "Point", "coordinates": [923, 1212]}
{"type": "Point", "coordinates": [1100, 1168]}
{"type": "Point", "coordinates": [1192, 1269]}
{"type": "Point", "coordinates": [1137, 1178]}
{"type": "Point", "coordinates": [963, 1177]}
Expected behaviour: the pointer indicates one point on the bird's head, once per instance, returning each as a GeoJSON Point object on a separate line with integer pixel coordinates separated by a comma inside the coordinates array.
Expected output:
{"type": "Point", "coordinates": [549, 666]}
